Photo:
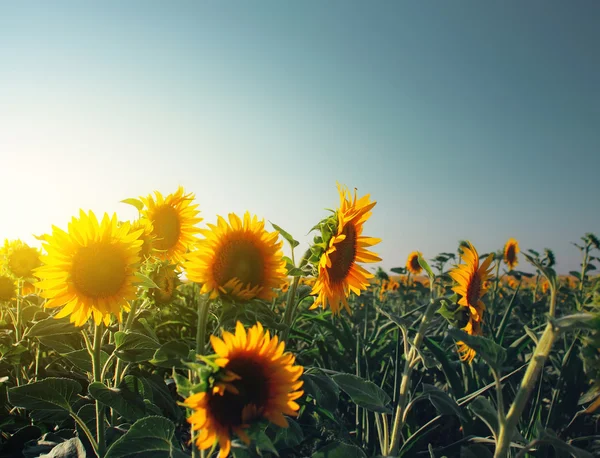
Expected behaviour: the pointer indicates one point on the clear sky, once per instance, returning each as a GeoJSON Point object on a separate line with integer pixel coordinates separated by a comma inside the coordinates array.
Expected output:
{"type": "Point", "coordinates": [463, 119]}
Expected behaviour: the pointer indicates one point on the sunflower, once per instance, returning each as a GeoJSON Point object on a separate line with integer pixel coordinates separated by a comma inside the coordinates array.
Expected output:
{"type": "Point", "coordinates": [466, 353]}
{"type": "Point", "coordinates": [90, 269]}
{"type": "Point", "coordinates": [259, 381]}
{"type": "Point", "coordinates": [147, 237]}
{"type": "Point", "coordinates": [173, 220]}
{"type": "Point", "coordinates": [338, 271]}
{"type": "Point", "coordinates": [20, 258]}
{"type": "Point", "coordinates": [239, 259]}
{"type": "Point", "coordinates": [510, 253]}
{"type": "Point", "coordinates": [164, 275]}
{"type": "Point", "coordinates": [7, 288]}
{"type": "Point", "coordinates": [412, 263]}
{"type": "Point", "coordinates": [471, 279]}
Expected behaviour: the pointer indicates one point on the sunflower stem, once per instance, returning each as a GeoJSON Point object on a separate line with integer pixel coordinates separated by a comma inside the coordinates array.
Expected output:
{"type": "Point", "coordinates": [535, 366]}
{"type": "Point", "coordinates": [290, 307]}
{"type": "Point", "coordinates": [409, 364]}
{"type": "Point", "coordinates": [499, 396]}
{"type": "Point", "coordinates": [18, 322]}
{"type": "Point", "coordinates": [97, 347]}
{"type": "Point", "coordinates": [203, 303]}
{"type": "Point", "coordinates": [530, 378]}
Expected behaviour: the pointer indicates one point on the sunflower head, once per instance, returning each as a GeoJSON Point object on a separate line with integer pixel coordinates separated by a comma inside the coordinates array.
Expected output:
{"type": "Point", "coordinates": [471, 279]}
{"type": "Point", "coordinates": [466, 353]}
{"type": "Point", "coordinates": [20, 258]}
{"type": "Point", "coordinates": [257, 380]}
{"type": "Point", "coordinates": [238, 259]}
{"type": "Point", "coordinates": [7, 288]}
{"type": "Point", "coordinates": [90, 268]}
{"type": "Point", "coordinates": [412, 263]}
{"type": "Point", "coordinates": [147, 237]}
{"type": "Point", "coordinates": [510, 253]}
{"type": "Point", "coordinates": [338, 250]}
{"type": "Point", "coordinates": [173, 219]}
{"type": "Point", "coordinates": [166, 277]}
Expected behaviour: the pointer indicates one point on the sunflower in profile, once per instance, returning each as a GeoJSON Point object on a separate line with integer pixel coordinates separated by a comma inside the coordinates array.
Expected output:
{"type": "Point", "coordinates": [412, 263]}
{"type": "Point", "coordinates": [258, 380]}
{"type": "Point", "coordinates": [239, 260]}
{"type": "Point", "coordinates": [20, 258]}
{"type": "Point", "coordinates": [7, 288]}
{"type": "Point", "coordinates": [90, 270]}
{"type": "Point", "coordinates": [147, 237]}
{"type": "Point", "coordinates": [471, 281]}
{"type": "Point", "coordinates": [510, 253]}
{"type": "Point", "coordinates": [345, 246]}
{"type": "Point", "coordinates": [174, 219]}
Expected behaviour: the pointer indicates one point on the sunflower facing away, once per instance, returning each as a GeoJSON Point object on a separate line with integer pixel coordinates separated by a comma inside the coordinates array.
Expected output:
{"type": "Point", "coordinates": [412, 263]}
{"type": "Point", "coordinates": [471, 279]}
{"type": "Point", "coordinates": [259, 381]}
{"type": "Point", "coordinates": [174, 221]}
{"type": "Point", "coordinates": [510, 253]}
{"type": "Point", "coordinates": [7, 288]}
{"type": "Point", "coordinates": [20, 258]}
{"type": "Point", "coordinates": [338, 271]}
{"type": "Point", "coordinates": [239, 259]}
{"type": "Point", "coordinates": [90, 270]}
{"type": "Point", "coordinates": [166, 277]}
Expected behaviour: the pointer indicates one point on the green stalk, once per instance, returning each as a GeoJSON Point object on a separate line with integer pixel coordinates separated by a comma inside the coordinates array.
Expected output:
{"type": "Point", "coordinates": [405, 381]}
{"type": "Point", "coordinates": [530, 378]}
{"type": "Point", "coordinates": [290, 308]}
{"type": "Point", "coordinates": [202, 311]}
{"type": "Point", "coordinates": [97, 346]}
{"type": "Point", "coordinates": [583, 270]}
{"type": "Point", "coordinates": [498, 264]}
{"type": "Point", "coordinates": [536, 364]}
{"type": "Point", "coordinates": [86, 430]}
{"type": "Point", "coordinates": [202, 321]}
{"type": "Point", "coordinates": [18, 322]}
{"type": "Point", "coordinates": [500, 399]}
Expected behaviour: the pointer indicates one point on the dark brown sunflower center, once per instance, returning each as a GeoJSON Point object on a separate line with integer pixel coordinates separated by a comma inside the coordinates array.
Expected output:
{"type": "Point", "coordinates": [240, 259]}
{"type": "Point", "coordinates": [342, 259]}
{"type": "Point", "coordinates": [253, 390]}
{"type": "Point", "coordinates": [510, 254]}
{"type": "Point", "coordinates": [414, 263]}
{"type": "Point", "coordinates": [167, 227]}
{"type": "Point", "coordinates": [474, 290]}
{"type": "Point", "coordinates": [99, 270]}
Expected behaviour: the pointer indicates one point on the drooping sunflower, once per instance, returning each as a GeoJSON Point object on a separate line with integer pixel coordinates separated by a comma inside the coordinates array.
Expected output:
{"type": "Point", "coordinates": [471, 279]}
{"type": "Point", "coordinates": [20, 258]}
{"type": "Point", "coordinates": [510, 253]}
{"type": "Point", "coordinates": [7, 288]}
{"type": "Point", "coordinates": [167, 279]}
{"type": "Point", "coordinates": [90, 270]}
{"type": "Point", "coordinates": [412, 263]}
{"type": "Point", "coordinates": [338, 269]}
{"type": "Point", "coordinates": [174, 219]}
{"type": "Point", "coordinates": [466, 353]}
{"type": "Point", "coordinates": [260, 381]}
{"type": "Point", "coordinates": [239, 260]}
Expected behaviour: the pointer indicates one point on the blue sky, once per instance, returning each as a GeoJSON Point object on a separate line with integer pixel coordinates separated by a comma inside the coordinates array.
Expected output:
{"type": "Point", "coordinates": [464, 120]}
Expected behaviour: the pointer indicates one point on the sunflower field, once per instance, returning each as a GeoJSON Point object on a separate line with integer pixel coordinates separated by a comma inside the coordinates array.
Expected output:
{"type": "Point", "coordinates": [175, 335]}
